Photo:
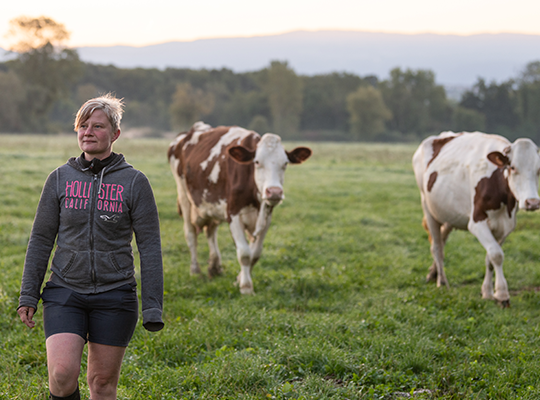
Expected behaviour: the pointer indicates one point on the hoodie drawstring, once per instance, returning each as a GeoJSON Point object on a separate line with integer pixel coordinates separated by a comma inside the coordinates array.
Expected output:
{"type": "Point", "coordinates": [100, 182]}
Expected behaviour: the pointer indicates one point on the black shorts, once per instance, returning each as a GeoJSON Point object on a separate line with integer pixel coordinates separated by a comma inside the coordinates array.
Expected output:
{"type": "Point", "coordinates": [105, 318]}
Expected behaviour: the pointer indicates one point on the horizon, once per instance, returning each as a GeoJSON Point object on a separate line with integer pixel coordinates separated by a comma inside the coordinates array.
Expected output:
{"type": "Point", "coordinates": [132, 23]}
{"type": "Point", "coordinates": [295, 31]}
{"type": "Point", "coordinates": [312, 31]}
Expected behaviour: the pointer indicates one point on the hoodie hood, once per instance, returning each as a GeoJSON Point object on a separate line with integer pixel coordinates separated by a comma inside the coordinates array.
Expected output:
{"type": "Point", "coordinates": [114, 162]}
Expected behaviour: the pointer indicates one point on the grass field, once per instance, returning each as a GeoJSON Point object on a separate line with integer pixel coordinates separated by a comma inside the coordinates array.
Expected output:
{"type": "Point", "coordinates": [341, 311]}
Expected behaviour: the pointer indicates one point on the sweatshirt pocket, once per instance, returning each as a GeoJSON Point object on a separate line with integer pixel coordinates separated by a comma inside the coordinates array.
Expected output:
{"type": "Point", "coordinates": [114, 266]}
{"type": "Point", "coordinates": [72, 266]}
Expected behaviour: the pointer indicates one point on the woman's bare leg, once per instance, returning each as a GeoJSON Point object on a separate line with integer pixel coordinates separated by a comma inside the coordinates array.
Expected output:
{"type": "Point", "coordinates": [64, 352]}
{"type": "Point", "coordinates": [104, 364]}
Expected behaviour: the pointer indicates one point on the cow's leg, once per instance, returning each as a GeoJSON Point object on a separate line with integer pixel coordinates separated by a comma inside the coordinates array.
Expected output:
{"type": "Point", "coordinates": [487, 285]}
{"type": "Point", "coordinates": [243, 253]}
{"type": "Point", "coordinates": [494, 261]}
{"type": "Point", "coordinates": [446, 228]}
{"type": "Point", "coordinates": [214, 262]}
{"type": "Point", "coordinates": [257, 245]}
{"type": "Point", "coordinates": [190, 232]}
{"type": "Point", "coordinates": [437, 246]}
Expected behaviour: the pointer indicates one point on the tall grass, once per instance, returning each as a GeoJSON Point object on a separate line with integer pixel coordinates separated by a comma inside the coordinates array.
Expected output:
{"type": "Point", "coordinates": [341, 309]}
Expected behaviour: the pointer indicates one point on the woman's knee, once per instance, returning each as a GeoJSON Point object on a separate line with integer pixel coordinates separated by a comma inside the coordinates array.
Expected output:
{"type": "Point", "coordinates": [102, 385]}
{"type": "Point", "coordinates": [65, 375]}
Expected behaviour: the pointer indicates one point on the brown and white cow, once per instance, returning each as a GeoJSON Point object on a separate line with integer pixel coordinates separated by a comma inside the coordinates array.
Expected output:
{"type": "Point", "coordinates": [229, 174]}
{"type": "Point", "coordinates": [476, 181]}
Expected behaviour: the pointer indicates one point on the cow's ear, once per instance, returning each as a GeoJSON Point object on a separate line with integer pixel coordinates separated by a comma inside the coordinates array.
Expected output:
{"type": "Point", "coordinates": [299, 155]}
{"type": "Point", "coordinates": [241, 155]}
{"type": "Point", "coordinates": [498, 158]}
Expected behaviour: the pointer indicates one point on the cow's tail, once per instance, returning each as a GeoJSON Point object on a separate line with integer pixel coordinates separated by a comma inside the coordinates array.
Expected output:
{"type": "Point", "coordinates": [424, 224]}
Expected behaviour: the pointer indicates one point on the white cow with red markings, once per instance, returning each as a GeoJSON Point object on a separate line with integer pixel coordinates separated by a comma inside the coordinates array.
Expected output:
{"type": "Point", "coordinates": [476, 181]}
{"type": "Point", "coordinates": [229, 174]}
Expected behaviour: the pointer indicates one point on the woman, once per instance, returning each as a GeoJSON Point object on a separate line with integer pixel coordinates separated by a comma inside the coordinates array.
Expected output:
{"type": "Point", "coordinates": [91, 206]}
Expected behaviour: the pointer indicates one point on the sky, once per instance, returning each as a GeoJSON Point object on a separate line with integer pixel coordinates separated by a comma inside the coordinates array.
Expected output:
{"type": "Point", "coordinates": [141, 23]}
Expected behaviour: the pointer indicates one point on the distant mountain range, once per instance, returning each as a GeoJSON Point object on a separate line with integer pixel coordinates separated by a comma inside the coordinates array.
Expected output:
{"type": "Point", "coordinates": [456, 60]}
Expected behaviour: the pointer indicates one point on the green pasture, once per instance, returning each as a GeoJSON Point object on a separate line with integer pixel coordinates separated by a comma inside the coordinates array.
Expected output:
{"type": "Point", "coordinates": [341, 309]}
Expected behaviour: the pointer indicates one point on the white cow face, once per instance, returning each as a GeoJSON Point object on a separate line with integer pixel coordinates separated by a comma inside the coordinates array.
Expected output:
{"type": "Point", "coordinates": [271, 160]}
{"type": "Point", "coordinates": [522, 164]}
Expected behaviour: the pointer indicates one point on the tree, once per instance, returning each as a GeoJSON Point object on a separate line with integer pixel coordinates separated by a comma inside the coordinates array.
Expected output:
{"type": "Point", "coordinates": [528, 98]}
{"type": "Point", "coordinates": [86, 92]}
{"type": "Point", "coordinates": [239, 107]}
{"type": "Point", "coordinates": [467, 119]}
{"type": "Point", "coordinates": [325, 104]}
{"type": "Point", "coordinates": [46, 68]}
{"type": "Point", "coordinates": [368, 112]}
{"type": "Point", "coordinates": [531, 73]}
{"type": "Point", "coordinates": [497, 102]}
{"type": "Point", "coordinates": [417, 103]}
{"type": "Point", "coordinates": [34, 33]}
{"type": "Point", "coordinates": [259, 124]}
{"type": "Point", "coordinates": [12, 95]}
{"type": "Point", "coordinates": [189, 105]}
{"type": "Point", "coordinates": [284, 90]}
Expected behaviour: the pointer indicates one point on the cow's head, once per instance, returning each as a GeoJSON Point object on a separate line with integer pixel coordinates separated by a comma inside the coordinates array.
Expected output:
{"type": "Point", "coordinates": [522, 169]}
{"type": "Point", "coordinates": [270, 159]}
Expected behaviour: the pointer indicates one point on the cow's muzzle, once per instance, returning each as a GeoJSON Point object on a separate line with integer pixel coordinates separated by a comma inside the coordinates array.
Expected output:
{"type": "Point", "coordinates": [273, 195]}
{"type": "Point", "coordinates": [532, 204]}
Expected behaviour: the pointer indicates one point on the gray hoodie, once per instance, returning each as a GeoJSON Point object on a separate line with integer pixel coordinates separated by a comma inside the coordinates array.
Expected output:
{"type": "Point", "coordinates": [93, 231]}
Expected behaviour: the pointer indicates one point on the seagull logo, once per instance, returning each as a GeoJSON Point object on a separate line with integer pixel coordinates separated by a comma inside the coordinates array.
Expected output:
{"type": "Point", "coordinates": [112, 220]}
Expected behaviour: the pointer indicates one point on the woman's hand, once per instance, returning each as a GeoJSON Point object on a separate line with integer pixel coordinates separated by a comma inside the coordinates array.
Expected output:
{"type": "Point", "coordinates": [26, 314]}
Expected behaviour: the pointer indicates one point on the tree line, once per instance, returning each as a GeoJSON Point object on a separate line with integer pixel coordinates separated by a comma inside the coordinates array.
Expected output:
{"type": "Point", "coordinates": [45, 83]}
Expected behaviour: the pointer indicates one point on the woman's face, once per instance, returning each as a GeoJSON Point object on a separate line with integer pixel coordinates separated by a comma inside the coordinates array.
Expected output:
{"type": "Point", "coordinates": [96, 136]}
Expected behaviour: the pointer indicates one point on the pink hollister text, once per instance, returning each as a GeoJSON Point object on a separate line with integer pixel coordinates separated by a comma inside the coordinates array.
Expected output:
{"type": "Point", "coordinates": [110, 197]}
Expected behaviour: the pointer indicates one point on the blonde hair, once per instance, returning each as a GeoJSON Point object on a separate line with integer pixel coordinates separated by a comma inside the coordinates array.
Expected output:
{"type": "Point", "coordinates": [108, 103]}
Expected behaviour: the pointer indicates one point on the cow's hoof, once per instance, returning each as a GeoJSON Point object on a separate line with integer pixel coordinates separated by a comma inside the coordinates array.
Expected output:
{"type": "Point", "coordinates": [487, 293]}
{"type": "Point", "coordinates": [432, 274]}
{"type": "Point", "coordinates": [504, 303]}
{"type": "Point", "coordinates": [194, 271]}
{"type": "Point", "coordinates": [247, 290]}
{"type": "Point", "coordinates": [215, 271]}
{"type": "Point", "coordinates": [443, 283]}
